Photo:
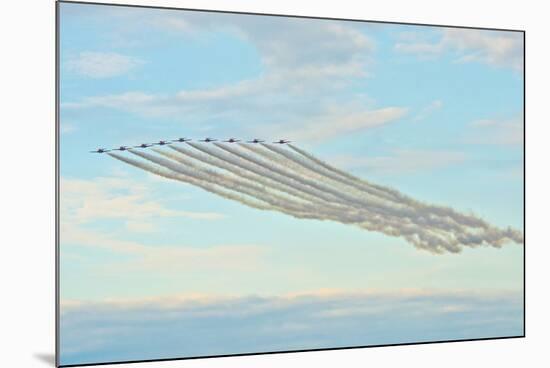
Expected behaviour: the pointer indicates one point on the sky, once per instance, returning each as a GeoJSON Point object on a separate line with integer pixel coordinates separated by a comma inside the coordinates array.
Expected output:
{"type": "Point", "coordinates": [434, 112]}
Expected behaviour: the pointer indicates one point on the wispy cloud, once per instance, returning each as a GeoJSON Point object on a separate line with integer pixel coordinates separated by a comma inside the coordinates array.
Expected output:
{"type": "Point", "coordinates": [99, 65]}
{"type": "Point", "coordinates": [342, 120]}
{"type": "Point", "coordinates": [162, 258]}
{"type": "Point", "coordinates": [403, 161]}
{"type": "Point", "coordinates": [428, 110]}
{"type": "Point", "coordinates": [84, 201]}
{"type": "Point", "coordinates": [506, 131]}
{"type": "Point", "coordinates": [308, 69]}
{"type": "Point", "coordinates": [66, 128]}
{"type": "Point", "coordinates": [318, 319]}
{"type": "Point", "coordinates": [502, 49]}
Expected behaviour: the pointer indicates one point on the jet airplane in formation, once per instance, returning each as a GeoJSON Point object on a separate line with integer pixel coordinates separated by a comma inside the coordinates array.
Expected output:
{"type": "Point", "coordinates": [162, 143]}
{"type": "Point", "coordinates": [166, 142]}
{"type": "Point", "coordinates": [144, 145]}
{"type": "Point", "coordinates": [121, 148]}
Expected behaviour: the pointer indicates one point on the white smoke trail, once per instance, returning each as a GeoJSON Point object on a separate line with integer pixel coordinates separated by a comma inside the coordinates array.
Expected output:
{"type": "Point", "coordinates": [362, 219]}
{"type": "Point", "coordinates": [282, 204]}
{"type": "Point", "coordinates": [182, 178]}
{"type": "Point", "coordinates": [429, 220]}
{"type": "Point", "coordinates": [260, 178]}
{"type": "Point", "coordinates": [320, 170]}
{"type": "Point", "coordinates": [319, 186]}
{"type": "Point", "coordinates": [265, 171]}
{"type": "Point", "coordinates": [467, 220]}
{"type": "Point", "coordinates": [237, 170]}
{"type": "Point", "coordinates": [364, 213]}
{"type": "Point", "coordinates": [283, 181]}
{"type": "Point", "coordinates": [360, 203]}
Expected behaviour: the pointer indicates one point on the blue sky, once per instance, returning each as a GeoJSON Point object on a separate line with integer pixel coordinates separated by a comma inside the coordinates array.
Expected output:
{"type": "Point", "coordinates": [433, 112]}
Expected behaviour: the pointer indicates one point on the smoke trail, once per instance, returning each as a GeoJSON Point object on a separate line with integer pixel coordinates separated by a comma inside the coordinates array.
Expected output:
{"type": "Point", "coordinates": [421, 234]}
{"type": "Point", "coordinates": [273, 185]}
{"type": "Point", "coordinates": [388, 209]}
{"type": "Point", "coordinates": [169, 174]}
{"type": "Point", "coordinates": [182, 178]}
{"type": "Point", "coordinates": [289, 164]}
{"type": "Point", "coordinates": [265, 171]}
{"type": "Point", "coordinates": [237, 170]}
{"type": "Point", "coordinates": [282, 204]}
{"type": "Point", "coordinates": [412, 213]}
{"type": "Point", "coordinates": [321, 187]}
{"type": "Point", "coordinates": [319, 170]}
{"type": "Point", "coordinates": [343, 173]}
{"type": "Point", "coordinates": [325, 210]}
{"type": "Point", "coordinates": [291, 183]}
{"type": "Point", "coordinates": [467, 220]}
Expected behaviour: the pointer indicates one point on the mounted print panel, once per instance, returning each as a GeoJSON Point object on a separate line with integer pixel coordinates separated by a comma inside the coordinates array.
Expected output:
{"type": "Point", "coordinates": [235, 183]}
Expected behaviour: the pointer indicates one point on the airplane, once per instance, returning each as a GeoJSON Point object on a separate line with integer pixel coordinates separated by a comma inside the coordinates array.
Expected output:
{"type": "Point", "coordinates": [181, 140]}
{"type": "Point", "coordinates": [208, 140]}
{"type": "Point", "coordinates": [100, 150]}
{"type": "Point", "coordinates": [121, 148]}
{"type": "Point", "coordinates": [143, 145]}
{"type": "Point", "coordinates": [232, 140]}
{"type": "Point", "coordinates": [282, 141]}
{"type": "Point", "coordinates": [255, 140]}
{"type": "Point", "coordinates": [161, 143]}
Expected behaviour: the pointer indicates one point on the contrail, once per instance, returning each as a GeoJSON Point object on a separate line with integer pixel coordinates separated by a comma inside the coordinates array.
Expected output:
{"type": "Point", "coordinates": [320, 170]}
{"type": "Point", "coordinates": [300, 185]}
{"type": "Point", "coordinates": [352, 201]}
{"type": "Point", "coordinates": [468, 220]}
{"type": "Point", "coordinates": [283, 205]}
{"type": "Point", "coordinates": [249, 175]}
{"type": "Point", "coordinates": [171, 175]}
{"type": "Point", "coordinates": [257, 177]}
{"type": "Point", "coordinates": [389, 209]}
{"type": "Point", "coordinates": [160, 171]}
{"type": "Point", "coordinates": [301, 169]}
{"type": "Point", "coordinates": [427, 219]}
{"type": "Point", "coordinates": [267, 172]}
{"type": "Point", "coordinates": [343, 173]}
{"type": "Point", "coordinates": [335, 212]}
{"type": "Point", "coordinates": [458, 229]}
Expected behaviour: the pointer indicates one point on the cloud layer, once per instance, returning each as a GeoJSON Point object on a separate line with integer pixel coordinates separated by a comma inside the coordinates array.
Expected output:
{"type": "Point", "coordinates": [198, 325]}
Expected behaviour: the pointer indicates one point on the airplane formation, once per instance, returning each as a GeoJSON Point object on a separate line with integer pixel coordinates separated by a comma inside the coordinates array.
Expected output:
{"type": "Point", "coordinates": [182, 140]}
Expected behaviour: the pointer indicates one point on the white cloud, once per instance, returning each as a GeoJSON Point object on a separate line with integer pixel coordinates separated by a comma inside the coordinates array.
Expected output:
{"type": "Point", "coordinates": [341, 121]}
{"type": "Point", "coordinates": [309, 66]}
{"type": "Point", "coordinates": [497, 48]}
{"type": "Point", "coordinates": [84, 201]}
{"type": "Point", "coordinates": [101, 64]}
{"type": "Point", "coordinates": [66, 128]}
{"type": "Point", "coordinates": [403, 161]}
{"type": "Point", "coordinates": [428, 110]}
{"type": "Point", "coordinates": [508, 132]}
{"type": "Point", "coordinates": [140, 226]}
